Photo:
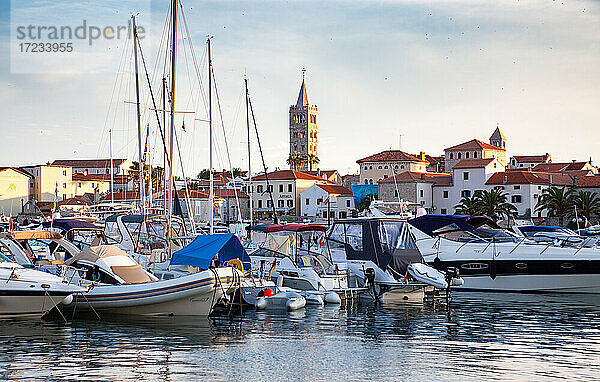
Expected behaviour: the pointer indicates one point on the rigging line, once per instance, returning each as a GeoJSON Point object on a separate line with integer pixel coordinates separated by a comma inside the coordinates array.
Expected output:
{"type": "Point", "coordinates": [154, 104]}
{"type": "Point", "coordinates": [237, 201]}
{"type": "Point", "coordinates": [263, 162]}
{"type": "Point", "coordinates": [188, 202]}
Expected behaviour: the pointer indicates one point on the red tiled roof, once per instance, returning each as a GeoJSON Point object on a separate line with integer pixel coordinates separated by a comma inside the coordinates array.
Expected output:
{"type": "Point", "coordinates": [532, 158]}
{"type": "Point", "coordinates": [474, 144]}
{"type": "Point", "coordinates": [334, 189]}
{"type": "Point", "coordinates": [588, 181]}
{"type": "Point", "coordinates": [325, 174]}
{"type": "Point", "coordinates": [225, 193]}
{"type": "Point", "coordinates": [529, 177]}
{"type": "Point", "coordinates": [76, 200]}
{"type": "Point", "coordinates": [410, 176]}
{"type": "Point", "coordinates": [122, 195]}
{"type": "Point", "coordinates": [91, 163]}
{"type": "Point", "coordinates": [473, 163]}
{"type": "Point", "coordinates": [559, 167]}
{"type": "Point", "coordinates": [19, 170]}
{"type": "Point", "coordinates": [287, 175]}
{"type": "Point", "coordinates": [92, 177]}
{"type": "Point", "coordinates": [391, 156]}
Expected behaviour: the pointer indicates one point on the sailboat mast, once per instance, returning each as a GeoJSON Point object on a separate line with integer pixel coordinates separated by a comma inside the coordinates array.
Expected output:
{"type": "Point", "coordinates": [211, 200]}
{"type": "Point", "coordinates": [139, 117]}
{"type": "Point", "coordinates": [112, 172]}
{"type": "Point", "coordinates": [172, 127]}
{"type": "Point", "coordinates": [164, 123]}
{"type": "Point", "coordinates": [249, 188]}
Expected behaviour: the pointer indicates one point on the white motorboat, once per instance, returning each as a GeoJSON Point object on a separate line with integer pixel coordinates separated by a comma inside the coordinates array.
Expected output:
{"type": "Point", "coordinates": [120, 285]}
{"type": "Point", "coordinates": [27, 293]}
{"type": "Point", "coordinates": [492, 259]}
{"type": "Point", "coordinates": [378, 253]}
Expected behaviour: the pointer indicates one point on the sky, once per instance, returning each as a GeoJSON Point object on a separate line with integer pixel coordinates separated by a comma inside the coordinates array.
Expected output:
{"type": "Point", "coordinates": [415, 75]}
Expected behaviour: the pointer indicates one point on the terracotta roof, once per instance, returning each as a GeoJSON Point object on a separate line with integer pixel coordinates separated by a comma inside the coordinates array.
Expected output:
{"type": "Point", "coordinates": [19, 170]}
{"type": "Point", "coordinates": [91, 177]}
{"type": "Point", "coordinates": [391, 156]}
{"type": "Point", "coordinates": [588, 181]}
{"type": "Point", "coordinates": [559, 167]}
{"type": "Point", "coordinates": [122, 195]}
{"type": "Point", "coordinates": [325, 174]}
{"type": "Point", "coordinates": [75, 201]}
{"type": "Point", "coordinates": [473, 163]}
{"type": "Point", "coordinates": [91, 163]}
{"type": "Point", "coordinates": [474, 144]}
{"type": "Point", "coordinates": [529, 177]}
{"type": "Point", "coordinates": [225, 193]}
{"type": "Point", "coordinates": [410, 176]}
{"type": "Point", "coordinates": [287, 175]}
{"type": "Point", "coordinates": [532, 158]}
{"type": "Point", "coordinates": [334, 189]}
{"type": "Point", "coordinates": [133, 195]}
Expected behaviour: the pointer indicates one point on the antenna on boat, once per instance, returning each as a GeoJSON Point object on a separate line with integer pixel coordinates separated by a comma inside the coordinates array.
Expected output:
{"type": "Point", "coordinates": [211, 199]}
{"type": "Point", "coordinates": [139, 117]}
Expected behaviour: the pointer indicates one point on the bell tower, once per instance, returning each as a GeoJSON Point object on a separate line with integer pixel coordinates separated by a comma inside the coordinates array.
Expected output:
{"type": "Point", "coordinates": [303, 126]}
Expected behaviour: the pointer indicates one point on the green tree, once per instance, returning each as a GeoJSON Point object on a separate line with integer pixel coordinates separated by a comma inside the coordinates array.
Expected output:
{"type": "Point", "coordinates": [364, 203]}
{"type": "Point", "coordinates": [312, 160]}
{"type": "Point", "coordinates": [587, 203]}
{"type": "Point", "coordinates": [557, 201]}
{"type": "Point", "coordinates": [495, 204]}
{"type": "Point", "coordinates": [204, 174]}
{"type": "Point", "coordinates": [467, 206]}
{"type": "Point", "coordinates": [295, 159]}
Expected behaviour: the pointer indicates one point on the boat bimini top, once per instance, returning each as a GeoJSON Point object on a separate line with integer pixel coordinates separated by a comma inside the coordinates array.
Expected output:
{"type": "Point", "coordinates": [434, 225]}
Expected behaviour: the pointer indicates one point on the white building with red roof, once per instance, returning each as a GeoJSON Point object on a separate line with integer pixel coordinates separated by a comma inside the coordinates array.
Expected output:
{"type": "Point", "coordinates": [413, 187]}
{"type": "Point", "coordinates": [476, 149]}
{"type": "Point", "coordinates": [388, 163]}
{"type": "Point", "coordinates": [326, 201]}
{"type": "Point", "coordinates": [528, 161]}
{"type": "Point", "coordinates": [283, 192]}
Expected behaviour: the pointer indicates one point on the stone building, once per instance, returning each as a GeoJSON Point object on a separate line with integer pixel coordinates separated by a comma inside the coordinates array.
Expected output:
{"type": "Point", "coordinates": [476, 149]}
{"type": "Point", "coordinates": [303, 126]}
{"type": "Point", "coordinates": [386, 164]}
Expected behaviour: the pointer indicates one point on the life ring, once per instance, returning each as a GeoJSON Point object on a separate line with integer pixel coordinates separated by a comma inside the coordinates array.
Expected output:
{"type": "Point", "coordinates": [236, 263]}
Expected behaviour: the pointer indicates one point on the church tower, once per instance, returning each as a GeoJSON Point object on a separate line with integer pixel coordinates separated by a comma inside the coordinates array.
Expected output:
{"type": "Point", "coordinates": [303, 126]}
{"type": "Point", "coordinates": [498, 139]}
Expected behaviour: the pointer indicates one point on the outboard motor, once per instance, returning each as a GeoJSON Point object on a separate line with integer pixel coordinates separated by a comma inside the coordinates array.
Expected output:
{"type": "Point", "coordinates": [370, 280]}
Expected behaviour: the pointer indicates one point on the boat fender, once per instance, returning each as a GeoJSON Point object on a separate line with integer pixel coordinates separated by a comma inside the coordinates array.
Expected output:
{"type": "Point", "coordinates": [332, 298]}
{"type": "Point", "coordinates": [314, 299]}
{"type": "Point", "coordinates": [296, 303]}
{"type": "Point", "coordinates": [67, 300]}
{"type": "Point", "coordinates": [261, 303]}
{"type": "Point", "coordinates": [457, 281]}
{"type": "Point", "coordinates": [236, 263]}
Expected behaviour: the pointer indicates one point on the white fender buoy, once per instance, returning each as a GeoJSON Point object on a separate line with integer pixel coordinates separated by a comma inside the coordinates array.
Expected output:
{"type": "Point", "coordinates": [296, 303]}
{"type": "Point", "coordinates": [332, 298]}
{"type": "Point", "coordinates": [457, 281]}
{"type": "Point", "coordinates": [67, 300]}
{"type": "Point", "coordinates": [314, 299]}
{"type": "Point", "coordinates": [261, 303]}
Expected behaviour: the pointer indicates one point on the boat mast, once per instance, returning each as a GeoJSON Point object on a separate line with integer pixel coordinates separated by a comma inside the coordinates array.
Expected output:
{"type": "Point", "coordinates": [249, 188]}
{"type": "Point", "coordinates": [139, 117]}
{"type": "Point", "coordinates": [172, 127]}
{"type": "Point", "coordinates": [112, 181]}
{"type": "Point", "coordinates": [164, 123]}
{"type": "Point", "coordinates": [211, 200]}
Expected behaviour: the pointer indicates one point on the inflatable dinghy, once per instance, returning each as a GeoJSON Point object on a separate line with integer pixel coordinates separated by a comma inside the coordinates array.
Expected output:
{"type": "Point", "coordinates": [427, 275]}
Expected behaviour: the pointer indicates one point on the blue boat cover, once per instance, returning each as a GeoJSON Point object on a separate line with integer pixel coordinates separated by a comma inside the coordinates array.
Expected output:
{"type": "Point", "coordinates": [68, 224]}
{"type": "Point", "coordinates": [200, 252]}
{"type": "Point", "coordinates": [433, 225]}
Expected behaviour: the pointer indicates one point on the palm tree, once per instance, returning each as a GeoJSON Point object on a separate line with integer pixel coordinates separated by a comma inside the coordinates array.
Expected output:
{"type": "Point", "coordinates": [587, 203]}
{"type": "Point", "coordinates": [467, 206]}
{"type": "Point", "coordinates": [495, 204]}
{"type": "Point", "coordinates": [294, 160]}
{"type": "Point", "coordinates": [558, 201]}
{"type": "Point", "coordinates": [157, 174]}
{"type": "Point", "coordinates": [311, 159]}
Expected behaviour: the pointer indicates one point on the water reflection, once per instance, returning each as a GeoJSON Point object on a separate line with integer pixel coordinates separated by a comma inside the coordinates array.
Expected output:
{"type": "Point", "coordinates": [491, 336]}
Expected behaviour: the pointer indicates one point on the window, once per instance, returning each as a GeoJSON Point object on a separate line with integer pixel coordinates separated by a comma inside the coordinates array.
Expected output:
{"type": "Point", "coordinates": [259, 189]}
{"type": "Point", "coordinates": [260, 204]}
{"type": "Point", "coordinates": [370, 181]}
{"type": "Point", "coordinates": [443, 211]}
{"type": "Point", "coordinates": [348, 203]}
{"type": "Point", "coordinates": [515, 199]}
{"type": "Point", "coordinates": [65, 173]}
{"type": "Point", "coordinates": [467, 155]}
{"type": "Point", "coordinates": [370, 167]}
{"type": "Point", "coordinates": [535, 196]}
{"type": "Point", "coordinates": [402, 167]}
{"type": "Point", "coordinates": [395, 167]}
{"type": "Point", "coordinates": [478, 192]}
{"type": "Point", "coordinates": [395, 193]}
{"type": "Point", "coordinates": [343, 215]}
{"type": "Point", "coordinates": [79, 184]}
{"type": "Point", "coordinates": [451, 155]}
{"type": "Point", "coordinates": [64, 197]}
{"type": "Point", "coordinates": [280, 203]}
{"type": "Point", "coordinates": [366, 181]}
{"type": "Point", "coordinates": [290, 187]}
{"type": "Point", "coordinates": [421, 193]}
{"type": "Point", "coordinates": [65, 185]}
{"type": "Point", "coordinates": [270, 188]}
{"type": "Point", "coordinates": [307, 201]}
{"type": "Point", "coordinates": [385, 167]}
{"type": "Point", "coordinates": [281, 188]}
{"type": "Point", "coordinates": [324, 214]}
{"type": "Point", "coordinates": [290, 203]}
{"type": "Point", "coordinates": [517, 187]}
{"type": "Point", "coordinates": [465, 193]}
{"type": "Point", "coordinates": [366, 167]}
{"type": "Point", "coordinates": [520, 164]}
{"type": "Point", "coordinates": [459, 155]}
{"type": "Point", "coordinates": [319, 201]}
{"type": "Point", "coordinates": [539, 187]}
{"type": "Point", "coordinates": [379, 167]}
{"type": "Point", "coordinates": [269, 203]}
{"type": "Point", "coordinates": [445, 194]}
{"type": "Point", "coordinates": [475, 154]}
{"type": "Point", "coordinates": [466, 175]}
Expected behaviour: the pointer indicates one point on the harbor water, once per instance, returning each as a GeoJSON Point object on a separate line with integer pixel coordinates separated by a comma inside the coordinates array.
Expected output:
{"type": "Point", "coordinates": [480, 337]}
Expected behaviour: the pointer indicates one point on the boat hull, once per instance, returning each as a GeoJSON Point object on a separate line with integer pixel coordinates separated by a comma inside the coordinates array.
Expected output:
{"type": "Point", "coordinates": [573, 283]}
{"type": "Point", "coordinates": [195, 294]}
{"type": "Point", "coordinates": [18, 302]}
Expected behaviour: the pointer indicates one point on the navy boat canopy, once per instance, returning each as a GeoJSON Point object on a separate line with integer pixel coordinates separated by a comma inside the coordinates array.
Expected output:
{"type": "Point", "coordinates": [434, 225]}
{"type": "Point", "coordinates": [201, 251]}
{"type": "Point", "coordinates": [69, 224]}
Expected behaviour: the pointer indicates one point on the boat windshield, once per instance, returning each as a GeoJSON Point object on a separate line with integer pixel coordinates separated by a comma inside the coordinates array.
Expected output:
{"type": "Point", "coordinates": [395, 235]}
{"type": "Point", "coordinates": [482, 234]}
{"type": "Point", "coordinates": [346, 233]}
